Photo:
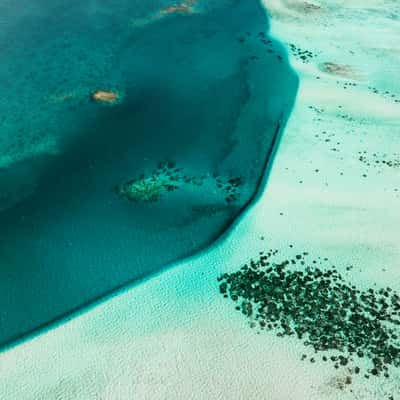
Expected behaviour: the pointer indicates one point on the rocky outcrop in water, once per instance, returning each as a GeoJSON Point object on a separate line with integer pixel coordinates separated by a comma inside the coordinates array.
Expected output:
{"type": "Point", "coordinates": [105, 96]}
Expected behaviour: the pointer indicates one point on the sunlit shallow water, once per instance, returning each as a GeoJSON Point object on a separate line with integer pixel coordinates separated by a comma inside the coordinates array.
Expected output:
{"type": "Point", "coordinates": [201, 92]}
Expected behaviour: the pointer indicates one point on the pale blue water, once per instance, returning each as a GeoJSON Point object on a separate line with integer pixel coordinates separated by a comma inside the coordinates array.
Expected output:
{"type": "Point", "coordinates": [206, 91]}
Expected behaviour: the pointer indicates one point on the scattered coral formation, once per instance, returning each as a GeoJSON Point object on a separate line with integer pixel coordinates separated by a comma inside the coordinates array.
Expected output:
{"type": "Point", "coordinates": [301, 54]}
{"type": "Point", "coordinates": [379, 160]}
{"type": "Point", "coordinates": [164, 179]}
{"type": "Point", "coordinates": [168, 178]}
{"type": "Point", "coordinates": [229, 187]}
{"type": "Point", "coordinates": [267, 43]}
{"type": "Point", "coordinates": [386, 94]}
{"type": "Point", "coordinates": [318, 306]}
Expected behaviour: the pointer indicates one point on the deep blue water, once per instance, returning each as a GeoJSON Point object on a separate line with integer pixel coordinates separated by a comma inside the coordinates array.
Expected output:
{"type": "Point", "coordinates": [204, 91]}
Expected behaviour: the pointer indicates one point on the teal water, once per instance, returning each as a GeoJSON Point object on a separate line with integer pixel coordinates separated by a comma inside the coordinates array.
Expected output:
{"type": "Point", "coordinates": [204, 91]}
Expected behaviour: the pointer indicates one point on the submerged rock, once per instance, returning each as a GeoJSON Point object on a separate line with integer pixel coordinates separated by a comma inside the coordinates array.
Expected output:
{"type": "Point", "coordinates": [105, 96]}
{"type": "Point", "coordinates": [338, 69]}
{"type": "Point", "coordinates": [183, 7]}
{"type": "Point", "coordinates": [178, 8]}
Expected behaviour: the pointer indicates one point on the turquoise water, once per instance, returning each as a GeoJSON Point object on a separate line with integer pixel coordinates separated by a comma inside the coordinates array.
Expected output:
{"type": "Point", "coordinates": [202, 92]}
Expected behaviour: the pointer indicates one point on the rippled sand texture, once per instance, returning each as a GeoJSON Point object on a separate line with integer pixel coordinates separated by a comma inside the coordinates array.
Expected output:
{"type": "Point", "coordinates": [159, 136]}
{"type": "Point", "coordinates": [175, 336]}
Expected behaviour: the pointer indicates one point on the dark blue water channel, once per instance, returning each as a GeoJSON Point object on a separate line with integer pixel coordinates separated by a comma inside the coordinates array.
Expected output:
{"type": "Point", "coordinates": [96, 195]}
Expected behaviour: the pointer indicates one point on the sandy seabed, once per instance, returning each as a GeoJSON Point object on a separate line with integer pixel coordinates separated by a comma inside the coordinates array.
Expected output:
{"type": "Point", "coordinates": [174, 336]}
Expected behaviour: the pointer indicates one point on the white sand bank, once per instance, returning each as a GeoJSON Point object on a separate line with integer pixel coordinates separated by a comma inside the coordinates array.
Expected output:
{"type": "Point", "coordinates": [175, 337]}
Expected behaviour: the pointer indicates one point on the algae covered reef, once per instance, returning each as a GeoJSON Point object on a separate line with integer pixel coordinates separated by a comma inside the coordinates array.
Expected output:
{"type": "Point", "coordinates": [150, 131]}
{"type": "Point", "coordinates": [168, 178]}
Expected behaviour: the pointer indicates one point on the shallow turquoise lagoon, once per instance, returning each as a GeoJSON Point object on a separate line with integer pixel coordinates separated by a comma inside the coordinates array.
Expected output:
{"type": "Point", "coordinates": [96, 194]}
